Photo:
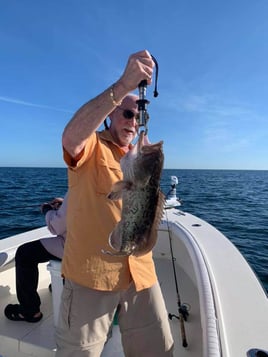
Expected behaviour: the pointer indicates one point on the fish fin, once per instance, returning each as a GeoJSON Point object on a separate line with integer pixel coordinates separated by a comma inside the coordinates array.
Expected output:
{"type": "Point", "coordinates": [118, 188]}
{"type": "Point", "coordinates": [115, 242]}
{"type": "Point", "coordinates": [115, 238]}
{"type": "Point", "coordinates": [117, 254]}
{"type": "Point", "coordinates": [150, 241]}
{"type": "Point", "coordinates": [160, 209]}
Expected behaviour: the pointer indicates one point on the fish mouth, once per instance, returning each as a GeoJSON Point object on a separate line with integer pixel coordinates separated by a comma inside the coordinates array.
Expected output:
{"type": "Point", "coordinates": [143, 140]}
{"type": "Point", "coordinates": [145, 146]}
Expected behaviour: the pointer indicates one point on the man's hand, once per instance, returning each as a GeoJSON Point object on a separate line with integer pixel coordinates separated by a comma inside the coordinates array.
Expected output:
{"type": "Point", "coordinates": [139, 67]}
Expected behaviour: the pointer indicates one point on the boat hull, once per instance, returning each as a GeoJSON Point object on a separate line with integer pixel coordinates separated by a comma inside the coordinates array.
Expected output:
{"type": "Point", "coordinates": [198, 268]}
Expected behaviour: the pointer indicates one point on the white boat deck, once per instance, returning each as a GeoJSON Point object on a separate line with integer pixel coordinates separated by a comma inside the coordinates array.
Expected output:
{"type": "Point", "coordinates": [21, 339]}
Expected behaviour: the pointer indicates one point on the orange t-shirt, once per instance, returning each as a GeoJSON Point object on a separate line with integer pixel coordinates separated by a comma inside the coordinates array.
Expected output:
{"type": "Point", "coordinates": [91, 217]}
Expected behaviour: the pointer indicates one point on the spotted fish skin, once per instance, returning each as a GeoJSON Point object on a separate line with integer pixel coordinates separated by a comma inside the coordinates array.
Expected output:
{"type": "Point", "coordinates": [142, 200]}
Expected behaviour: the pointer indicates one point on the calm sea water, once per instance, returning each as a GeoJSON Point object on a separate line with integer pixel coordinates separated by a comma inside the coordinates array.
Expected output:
{"type": "Point", "coordinates": [235, 202]}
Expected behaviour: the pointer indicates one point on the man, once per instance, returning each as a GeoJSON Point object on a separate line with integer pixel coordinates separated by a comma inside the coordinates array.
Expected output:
{"type": "Point", "coordinates": [97, 284]}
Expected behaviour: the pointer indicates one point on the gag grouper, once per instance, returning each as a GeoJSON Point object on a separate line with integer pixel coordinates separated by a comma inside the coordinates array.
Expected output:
{"type": "Point", "coordinates": [142, 200]}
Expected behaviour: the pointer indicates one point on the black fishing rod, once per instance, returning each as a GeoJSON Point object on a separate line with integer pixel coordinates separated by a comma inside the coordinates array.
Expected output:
{"type": "Point", "coordinates": [142, 119]}
{"type": "Point", "coordinates": [183, 309]}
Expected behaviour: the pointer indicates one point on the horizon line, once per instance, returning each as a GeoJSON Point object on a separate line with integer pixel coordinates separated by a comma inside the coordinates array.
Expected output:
{"type": "Point", "coordinates": [165, 168]}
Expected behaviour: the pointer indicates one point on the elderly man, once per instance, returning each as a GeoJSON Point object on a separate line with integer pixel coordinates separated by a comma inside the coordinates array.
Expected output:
{"type": "Point", "coordinates": [96, 285]}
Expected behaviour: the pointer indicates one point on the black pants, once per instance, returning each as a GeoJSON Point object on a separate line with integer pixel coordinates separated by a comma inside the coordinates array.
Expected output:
{"type": "Point", "coordinates": [27, 258]}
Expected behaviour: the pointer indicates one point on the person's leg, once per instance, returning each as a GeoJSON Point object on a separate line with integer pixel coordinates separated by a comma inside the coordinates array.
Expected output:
{"type": "Point", "coordinates": [143, 321]}
{"type": "Point", "coordinates": [84, 320]}
{"type": "Point", "coordinates": [27, 258]}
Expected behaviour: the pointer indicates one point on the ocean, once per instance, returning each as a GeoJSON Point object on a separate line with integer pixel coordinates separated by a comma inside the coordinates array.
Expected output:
{"type": "Point", "coordinates": [234, 201]}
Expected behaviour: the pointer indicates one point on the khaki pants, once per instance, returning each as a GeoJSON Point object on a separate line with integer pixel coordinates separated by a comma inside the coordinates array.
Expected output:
{"type": "Point", "coordinates": [86, 316]}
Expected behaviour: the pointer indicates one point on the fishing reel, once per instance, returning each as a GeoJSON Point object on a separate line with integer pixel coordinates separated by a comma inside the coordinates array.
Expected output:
{"type": "Point", "coordinates": [183, 313]}
{"type": "Point", "coordinates": [142, 102]}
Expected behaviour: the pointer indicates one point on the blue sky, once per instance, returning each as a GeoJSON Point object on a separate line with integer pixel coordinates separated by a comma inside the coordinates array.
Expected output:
{"type": "Point", "coordinates": [212, 107]}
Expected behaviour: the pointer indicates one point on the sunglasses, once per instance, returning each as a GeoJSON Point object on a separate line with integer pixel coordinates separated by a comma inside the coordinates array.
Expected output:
{"type": "Point", "coordinates": [129, 114]}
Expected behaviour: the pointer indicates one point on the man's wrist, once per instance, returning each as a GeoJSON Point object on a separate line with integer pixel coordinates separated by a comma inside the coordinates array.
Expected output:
{"type": "Point", "coordinates": [119, 91]}
{"type": "Point", "coordinates": [113, 98]}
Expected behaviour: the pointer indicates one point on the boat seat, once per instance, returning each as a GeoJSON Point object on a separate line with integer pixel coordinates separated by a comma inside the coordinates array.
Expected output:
{"type": "Point", "coordinates": [54, 267]}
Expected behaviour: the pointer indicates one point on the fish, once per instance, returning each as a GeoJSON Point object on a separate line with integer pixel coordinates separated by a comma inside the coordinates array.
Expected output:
{"type": "Point", "coordinates": [142, 199]}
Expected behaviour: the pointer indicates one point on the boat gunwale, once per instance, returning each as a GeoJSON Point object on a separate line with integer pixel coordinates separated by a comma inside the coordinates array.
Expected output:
{"type": "Point", "coordinates": [209, 321]}
{"type": "Point", "coordinates": [229, 279]}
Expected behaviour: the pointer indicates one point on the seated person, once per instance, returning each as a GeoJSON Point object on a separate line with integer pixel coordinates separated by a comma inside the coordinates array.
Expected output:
{"type": "Point", "coordinates": [29, 255]}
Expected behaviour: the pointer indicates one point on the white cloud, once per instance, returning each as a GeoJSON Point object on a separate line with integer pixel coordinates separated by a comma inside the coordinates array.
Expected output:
{"type": "Point", "coordinates": [211, 105]}
{"type": "Point", "coordinates": [29, 104]}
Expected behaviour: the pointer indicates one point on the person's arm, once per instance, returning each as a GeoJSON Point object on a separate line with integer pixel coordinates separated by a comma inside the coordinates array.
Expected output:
{"type": "Point", "coordinates": [52, 205]}
{"type": "Point", "coordinates": [56, 218]}
{"type": "Point", "coordinates": [91, 115]}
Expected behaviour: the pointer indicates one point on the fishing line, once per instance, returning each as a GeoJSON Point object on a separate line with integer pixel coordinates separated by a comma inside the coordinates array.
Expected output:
{"type": "Point", "coordinates": [183, 309]}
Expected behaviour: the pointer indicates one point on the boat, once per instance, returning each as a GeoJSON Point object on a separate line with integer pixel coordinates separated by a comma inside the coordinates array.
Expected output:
{"type": "Point", "coordinates": [216, 305]}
